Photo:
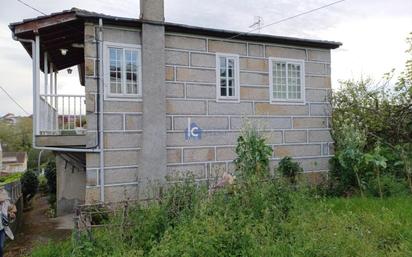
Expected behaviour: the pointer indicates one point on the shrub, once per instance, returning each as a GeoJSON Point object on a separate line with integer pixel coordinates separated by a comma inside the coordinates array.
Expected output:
{"type": "Point", "coordinates": [289, 169]}
{"type": "Point", "coordinates": [50, 174]}
{"type": "Point", "coordinates": [43, 184]}
{"type": "Point", "coordinates": [387, 185]}
{"type": "Point", "coordinates": [29, 183]}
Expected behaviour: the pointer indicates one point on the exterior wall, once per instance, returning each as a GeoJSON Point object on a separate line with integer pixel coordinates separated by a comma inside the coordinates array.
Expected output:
{"type": "Point", "coordinates": [297, 130]}
{"type": "Point", "coordinates": [70, 186]}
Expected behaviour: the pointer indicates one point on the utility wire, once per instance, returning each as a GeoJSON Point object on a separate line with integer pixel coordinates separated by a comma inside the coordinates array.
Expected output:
{"type": "Point", "coordinates": [288, 18]}
{"type": "Point", "coordinates": [31, 7]}
{"type": "Point", "coordinates": [21, 107]}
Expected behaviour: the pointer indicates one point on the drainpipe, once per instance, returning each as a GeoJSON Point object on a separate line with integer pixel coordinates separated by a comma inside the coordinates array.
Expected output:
{"type": "Point", "coordinates": [101, 98]}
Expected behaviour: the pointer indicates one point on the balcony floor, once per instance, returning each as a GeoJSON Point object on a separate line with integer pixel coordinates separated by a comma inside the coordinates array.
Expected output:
{"type": "Point", "coordinates": [61, 140]}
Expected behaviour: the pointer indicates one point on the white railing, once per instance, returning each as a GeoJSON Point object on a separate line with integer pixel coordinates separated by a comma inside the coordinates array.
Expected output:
{"type": "Point", "coordinates": [61, 114]}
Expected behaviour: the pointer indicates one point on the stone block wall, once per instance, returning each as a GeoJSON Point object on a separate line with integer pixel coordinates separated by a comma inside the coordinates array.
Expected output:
{"type": "Point", "coordinates": [298, 130]}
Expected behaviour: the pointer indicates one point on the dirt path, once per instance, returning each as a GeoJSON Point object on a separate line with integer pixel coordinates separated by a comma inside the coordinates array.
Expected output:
{"type": "Point", "coordinates": [36, 228]}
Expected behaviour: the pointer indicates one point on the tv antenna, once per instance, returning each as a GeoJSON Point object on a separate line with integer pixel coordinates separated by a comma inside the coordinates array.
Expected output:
{"type": "Point", "coordinates": [258, 23]}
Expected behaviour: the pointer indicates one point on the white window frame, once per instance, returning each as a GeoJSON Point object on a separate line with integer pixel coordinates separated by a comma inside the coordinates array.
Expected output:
{"type": "Point", "coordinates": [106, 67]}
{"type": "Point", "coordinates": [236, 97]}
{"type": "Point", "coordinates": [274, 100]}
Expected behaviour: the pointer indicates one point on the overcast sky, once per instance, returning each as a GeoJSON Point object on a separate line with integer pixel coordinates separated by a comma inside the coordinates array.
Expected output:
{"type": "Point", "coordinates": [373, 33]}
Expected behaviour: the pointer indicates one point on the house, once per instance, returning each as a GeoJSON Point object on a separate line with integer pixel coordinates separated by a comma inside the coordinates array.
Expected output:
{"type": "Point", "coordinates": [163, 99]}
{"type": "Point", "coordinates": [9, 118]}
{"type": "Point", "coordinates": [14, 162]}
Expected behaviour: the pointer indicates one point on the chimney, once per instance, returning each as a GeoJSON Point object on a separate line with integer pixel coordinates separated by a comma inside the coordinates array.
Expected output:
{"type": "Point", "coordinates": [152, 10]}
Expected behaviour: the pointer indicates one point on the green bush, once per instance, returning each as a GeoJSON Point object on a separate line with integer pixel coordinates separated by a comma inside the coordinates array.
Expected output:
{"type": "Point", "coordinates": [30, 184]}
{"type": "Point", "coordinates": [289, 169]}
{"type": "Point", "coordinates": [50, 174]}
{"type": "Point", "coordinates": [389, 186]}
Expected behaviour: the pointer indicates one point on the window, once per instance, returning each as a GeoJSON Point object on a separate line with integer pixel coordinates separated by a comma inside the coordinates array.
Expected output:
{"type": "Point", "coordinates": [123, 70]}
{"type": "Point", "coordinates": [227, 76]}
{"type": "Point", "coordinates": [286, 80]}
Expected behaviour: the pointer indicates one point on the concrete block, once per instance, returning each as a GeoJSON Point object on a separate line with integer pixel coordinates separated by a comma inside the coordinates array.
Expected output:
{"type": "Point", "coordinates": [205, 122]}
{"type": "Point", "coordinates": [310, 122]}
{"type": "Point", "coordinates": [254, 93]}
{"type": "Point", "coordinates": [92, 195]}
{"type": "Point", "coordinates": [170, 73]}
{"type": "Point", "coordinates": [317, 68]}
{"type": "Point", "coordinates": [113, 121]}
{"type": "Point", "coordinates": [203, 60]}
{"type": "Point", "coordinates": [118, 176]}
{"type": "Point", "coordinates": [218, 46]}
{"type": "Point", "coordinates": [273, 137]}
{"type": "Point", "coordinates": [331, 149]}
{"type": "Point", "coordinates": [122, 106]}
{"type": "Point", "coordinates": [283, 52]}
{"type": "Point", "coordinates": [188, 43]}
{"type": "Point", "coordinates": [90, 85]}
{"type": "Point", "coordinates": [201, 91]}
{"type": "Point", "coordinates": [216, 170]}
{"type": "Point", "coordinates": [320, 110]}
{"type": "Point", "coordinates": [317, 95]}
{"type": "Point", "coordinates": [90, 49]}
{"type": "Point", "coordinates": [230, 108]}
{"type": "Point", "coordinates": [209, 138]}
{"type": "Point", "coordinates": [249, 78]}
{"type": "Point", "coordinates": [256, 50]}
{"type": "Point", "coordinates": [296, 150]}
{"type": "Point", "coordinates": [317, 82]}
{"type": "Point", "coordinates": [185, 107]}
{"type": "Point", "coordinates": [121, 158]}
{"type": "Point", "coordinates": [319, 55]}
{"type": "Point", "coordinates": [121, 193]}
{"type": "Point", "coordinates": [262, 122]}
{"type": "Point", "coordinates": [320, 136]}
{"type": "Point", "coordinates": [295, 136]}
{"type": "Point", "coordinates": [89, 67]}
{"type": "Point", "coordinates": [122, 36]}
{"type": "Point", "coordinates": [133, 122]}
{"type": "Point", "coordinates": [179, 173]}
{"type": "Point", "coordinates": [176, 90]}
{"type": "Point", "coordinates": [168, 123]}
{"type": "Point", "coordinates": [315, 164]}
{"type": "Point", "coordinates": [92, 160]}
{"type": "Point", "coordinates": [277, 109]}
{"type": "Point", "coordinates": [177, 57]}
{"type": "Point", "coordinates": [122, 140]}
{"type": "Point", "coordinates": [198, 154]}
{"type": "Point", "coordinates": [253, 64]}
{"type": "Point", "coordinates": [174, 155]}
{"type": "Point", "coordinates": [92, 177]}
{"type": "Point", "coordinates": [195, 75]}
{"type": "Point", "coordinates": [91, 121]}
{"type": "Point", "coordinates": [90, 102]}
{"type": "Point", "coordinates": [225, 153]}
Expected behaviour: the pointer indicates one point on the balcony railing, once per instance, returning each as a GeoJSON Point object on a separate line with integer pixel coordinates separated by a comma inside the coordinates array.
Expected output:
{"type": "Point", "coordinates": [61, 114]}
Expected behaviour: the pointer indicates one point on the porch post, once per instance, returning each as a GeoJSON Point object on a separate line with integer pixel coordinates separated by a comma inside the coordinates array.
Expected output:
{"type": "Point", "coordinates": [36, 92]}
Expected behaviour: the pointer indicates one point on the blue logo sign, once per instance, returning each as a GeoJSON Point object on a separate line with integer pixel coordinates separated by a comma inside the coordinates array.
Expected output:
{"type": "Point", "coordinates": [193, 131]}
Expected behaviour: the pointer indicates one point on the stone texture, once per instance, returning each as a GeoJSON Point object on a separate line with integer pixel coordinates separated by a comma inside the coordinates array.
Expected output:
{"type": "Point", "coordinates": [254, 93]}
{"type": "Point", "coordinates": [174, 155]}
{"type": "Point", "coordinates": [177, 57]}
{"type": "Point", "coordinates": [316, 95]}
{"type": "Point", "coordinates": [122, 106]}
{"type": "Point", "coordinates": [283, 52]}
{"type": "Point", "coordinates": [296, 150]}
{"type": "Point", "coordinates": [230, 108]}
{"type": "Point", "coordinates": [295, 136]}
{"type": "Point", "coordinates": [122, 140]}
{"type": "Point", "coordinates": [175, 90]}
{"type": "Point", "coordinates": [319, 55]}
{"type": "Point", "coordinates": [92, 178]}
{"type": "Point", "coordinates": [198, 154]}
{"type": "Point", "coordinates": [133, 122]}
{"type": "Point", "coordinates": [227, 47]}
{"type": "Point", "coordinates": [249, 78]}
{"type": "Point", "coordinates": [205, 122]}
{"type": "Point", "coordinates": [262, 122]}
{"type": "Point", "coordinates": [179, 173]}
{"type": "Point", "coordinates": [118, 176]}
{"type": "Point", "coordinates": [320, 110]}
{"type": "Point", "coordinates": [278, 109]}
{"type": "Point", "coordinates": [195, 75]}
{"type": "Point", "coordinates": [225, 154]}
{"type": "Point", "coordinates": [170, 73]}
{"type": "Point", "coordinates": [121, 193]}
{"type": "Point", "coordinates": [256, 50]}
{"type": "Point", "coordinates": [89, 67]}
{"type": "Point", "coordinates": [201, 91]}
{"type": "Point", "coordinates": [187, 43]}
{"type": "Point", "coordinates": [317, 82]}
{"type": "Point", "coordinates": [121, 158]}
{"type": "Point", "coordinates": [320, 136]}
{"type": "Point", "coordinates": [113, 121]}
{"type": "Point", "coordinates": [90, 102]}
{"type": "Point", "coordinates": [209, 138]}
{"type": "Point", "coordinates": [310, 122]}
{"type": "Point", "coordinates": [92, 195]}
{"type": "Point", "coordinates": [185, 107]}
{"type": "Point", "coordinates": [317, 68]}
{"type": "Point", "coordinates": [253, 64]}
{"type": "Point", "coordinates": [216, 170]}
{"type": "Point", "coordinates": [315, 164]}
{"type": "Point", "coordinates": [122, 36]}
{"type": "Point", "coordinates": [203, 60]}
{"type": "Point", "coordinates": [273, 137]}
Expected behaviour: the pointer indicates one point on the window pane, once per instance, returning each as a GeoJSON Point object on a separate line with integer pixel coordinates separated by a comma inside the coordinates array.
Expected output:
{"type": "Point", "coordinates": [116, 59]}
{"type": "Point", "coordinates": [230, 66]}
{"type": "Point", "coordinates": [131, 71]}
{"type": "Point", "coordinates": [279, 80]}
{"type": "Point", "coordinates": [223, 87]}
{"type": "Point", "coordinates": [231, 87]}
{"type": "Point", "coordinates": [294, 82]}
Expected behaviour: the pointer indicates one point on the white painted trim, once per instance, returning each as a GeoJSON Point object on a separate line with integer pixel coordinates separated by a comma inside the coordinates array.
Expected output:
{"type": "Point", "coordinates": [106, 63]}
{"type": "Point", "coordinates": [228, 99]}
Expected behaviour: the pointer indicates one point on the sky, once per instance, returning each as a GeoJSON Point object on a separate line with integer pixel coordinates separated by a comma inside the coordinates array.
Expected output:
{"type": "Point", "coordinates": [373, 33]}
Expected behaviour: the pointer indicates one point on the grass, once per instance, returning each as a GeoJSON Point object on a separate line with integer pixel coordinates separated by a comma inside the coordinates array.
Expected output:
{"type": "Point", "coordinates": [10, 178]}
{"type": "Point", "coordinates": [254, 219]}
